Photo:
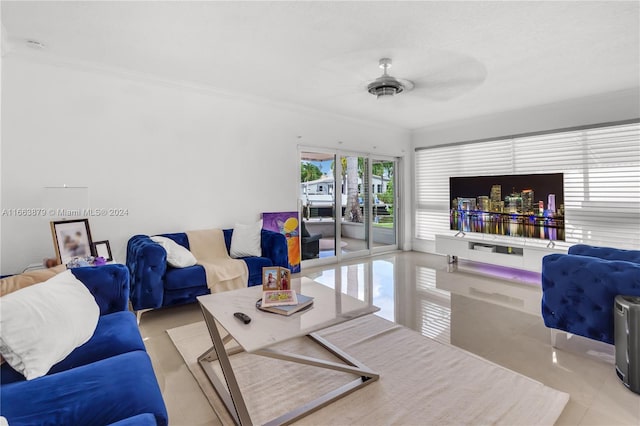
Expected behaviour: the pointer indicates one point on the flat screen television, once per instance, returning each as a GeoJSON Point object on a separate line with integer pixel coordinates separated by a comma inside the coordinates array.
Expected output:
{"type": "Point", "coordinates": [530, 205]}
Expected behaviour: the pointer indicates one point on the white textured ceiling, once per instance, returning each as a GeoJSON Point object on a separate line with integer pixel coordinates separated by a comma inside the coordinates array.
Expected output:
{"type": "Point", "coordinates": [467, 58]}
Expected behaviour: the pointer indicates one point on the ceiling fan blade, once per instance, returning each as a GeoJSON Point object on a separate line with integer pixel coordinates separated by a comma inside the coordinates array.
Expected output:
{"type": "Point", "coordinates": [451, 81]}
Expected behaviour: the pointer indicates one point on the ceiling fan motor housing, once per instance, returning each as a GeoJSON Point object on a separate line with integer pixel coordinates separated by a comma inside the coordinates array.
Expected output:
{"type": "Point", "coordinates": [385, 85]}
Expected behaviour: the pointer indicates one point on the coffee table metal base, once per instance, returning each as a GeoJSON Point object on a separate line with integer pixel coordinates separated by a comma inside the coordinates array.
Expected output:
{"type": "Point", "coordinates": [231, 394]}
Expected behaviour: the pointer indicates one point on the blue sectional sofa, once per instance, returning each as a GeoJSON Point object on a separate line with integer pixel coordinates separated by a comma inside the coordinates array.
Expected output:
{"type": "Point", "coordinates": [154, 284]}
{"type": "Point", "coordinates": [109, 379]}
{"type": "Point", "coordinates": [579, 288]}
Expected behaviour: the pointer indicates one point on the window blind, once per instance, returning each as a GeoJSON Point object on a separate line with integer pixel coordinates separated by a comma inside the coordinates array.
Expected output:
{"type": "Point", "coordinates": [601, 169]}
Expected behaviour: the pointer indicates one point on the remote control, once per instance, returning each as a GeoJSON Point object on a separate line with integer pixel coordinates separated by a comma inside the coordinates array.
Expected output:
{"type": "Point", "coordinates": [242, 317]}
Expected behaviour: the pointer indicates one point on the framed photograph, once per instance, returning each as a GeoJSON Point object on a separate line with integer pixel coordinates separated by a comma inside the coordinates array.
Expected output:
{"type": "Point", "coordinates": [103, 249]}
{"type": "Point", "coordinates": [71, 239]}
{"type": "Point", "coordinates": [276, 278]}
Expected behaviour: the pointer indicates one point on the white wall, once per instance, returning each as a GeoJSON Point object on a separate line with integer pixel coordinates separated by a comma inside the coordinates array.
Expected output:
{"type": "Point", "coordinates": [177, 158]}
{"type": "Point", "coordinates": [604, 108]}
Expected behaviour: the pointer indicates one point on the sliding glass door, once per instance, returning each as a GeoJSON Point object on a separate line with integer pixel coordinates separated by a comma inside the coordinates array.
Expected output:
{"type": "Point", "coordinates": [356, 198]}
{"type": "Point", "coordinates": [347, 203]}
{"type": "Point", "coordinates": [384, 230]}
{"type": "Point", "coordinates": [318, 205]}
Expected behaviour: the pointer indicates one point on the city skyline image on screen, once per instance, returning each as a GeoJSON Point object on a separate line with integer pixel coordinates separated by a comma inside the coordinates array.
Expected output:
{"type": "Point", "coordinates": [530, 205]}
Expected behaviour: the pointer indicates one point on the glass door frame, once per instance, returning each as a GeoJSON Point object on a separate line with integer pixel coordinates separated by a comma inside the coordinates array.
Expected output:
{"type": "Point", "coordinates": [368, 205]}
{"type": "Point", "coordinates": [396, 204]}
{"type": "Point", "coordinates": [336, 200]}
{"type": "Point", "coordinates": [365, 192]}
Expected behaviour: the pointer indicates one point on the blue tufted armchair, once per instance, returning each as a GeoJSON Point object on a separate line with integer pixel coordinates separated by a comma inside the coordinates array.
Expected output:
{"type": "Point", "coordinates": [579, 288]}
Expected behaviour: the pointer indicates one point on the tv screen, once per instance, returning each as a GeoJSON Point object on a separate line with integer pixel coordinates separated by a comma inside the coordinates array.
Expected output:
{"type": "Point", "coordinates": [530, 206]}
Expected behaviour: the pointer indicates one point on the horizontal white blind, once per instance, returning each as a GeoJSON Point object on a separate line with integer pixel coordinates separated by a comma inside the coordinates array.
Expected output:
{"type": "Point", "coordinates": [601, 169]}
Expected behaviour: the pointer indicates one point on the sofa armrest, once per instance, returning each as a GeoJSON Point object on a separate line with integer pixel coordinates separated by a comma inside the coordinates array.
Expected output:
{"type": "Point", "coordinates": [606, 253]}
{"type": "Point", "coordinates": [98, 393]}
{"type": "Point", "coordinates": [147, 263]}
{"type": "Point", "coordinates": [109, 284]}
{"type": "Point", "coordinates": [274, 246]}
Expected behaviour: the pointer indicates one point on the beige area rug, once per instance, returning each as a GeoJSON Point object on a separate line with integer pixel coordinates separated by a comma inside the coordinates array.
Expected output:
{"type": "Point", "coordinates": [422, 382]}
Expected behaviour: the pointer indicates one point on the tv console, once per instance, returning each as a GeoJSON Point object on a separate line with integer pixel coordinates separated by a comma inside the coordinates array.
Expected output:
{"type": "Point", "coordinates": [519, 254]}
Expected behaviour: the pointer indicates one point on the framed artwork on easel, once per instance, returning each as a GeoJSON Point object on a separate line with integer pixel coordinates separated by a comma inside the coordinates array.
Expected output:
{"type": "Point", "coordinates": [71, 239]}
{"type": "Point", "coordinates": [287, 224]}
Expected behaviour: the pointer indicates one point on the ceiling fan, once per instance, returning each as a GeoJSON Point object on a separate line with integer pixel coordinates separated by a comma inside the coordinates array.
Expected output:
{"type": "Point", "coordinates": [439, 76]}
{"type": "Point", "coordinates": [422, 74]}
{"type": "Point", "coordinates": [387, 85]}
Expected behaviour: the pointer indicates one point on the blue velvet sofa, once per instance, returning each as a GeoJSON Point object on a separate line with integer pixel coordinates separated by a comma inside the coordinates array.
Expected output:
{"type": "Point", "coordinates": [154, 284]}
{"type": "Point", "coordinates": [107, 380]}
{"type": "Point", "coordinates": [579, 288]}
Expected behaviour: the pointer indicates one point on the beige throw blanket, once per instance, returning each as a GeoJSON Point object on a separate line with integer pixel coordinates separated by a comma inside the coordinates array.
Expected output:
{"type": "Point", "coordinates": [223, 272]}
{"type": "Point", "coordinates": [17, 282]}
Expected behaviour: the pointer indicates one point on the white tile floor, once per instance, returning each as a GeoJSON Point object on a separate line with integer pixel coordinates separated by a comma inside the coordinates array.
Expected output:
{"type": "Point", "coordinates": [491, 312]}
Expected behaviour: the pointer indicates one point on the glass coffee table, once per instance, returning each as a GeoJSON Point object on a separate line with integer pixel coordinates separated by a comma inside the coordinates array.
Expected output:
{"type": "Point", "coordinates": [329, 308]}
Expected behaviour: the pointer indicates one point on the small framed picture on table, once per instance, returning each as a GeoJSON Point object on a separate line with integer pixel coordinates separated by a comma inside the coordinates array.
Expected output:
{"type": "Point", "coordinates": [103, 249]}
{"type": "Point", "coordinates": [276, 278]}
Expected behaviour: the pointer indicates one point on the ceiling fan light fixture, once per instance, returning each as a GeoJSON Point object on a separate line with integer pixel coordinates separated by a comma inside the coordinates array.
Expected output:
{"type": "Point", "coordinates": [385, 85]}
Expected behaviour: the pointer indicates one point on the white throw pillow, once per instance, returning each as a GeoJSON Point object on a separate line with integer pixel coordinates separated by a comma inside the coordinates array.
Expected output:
{"type": "Point", "coordinates": [43, 323]}
{"type": "Point", "coordinates": [177, 256]}
{"type": "Point", "coordinates": [245, 240]}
